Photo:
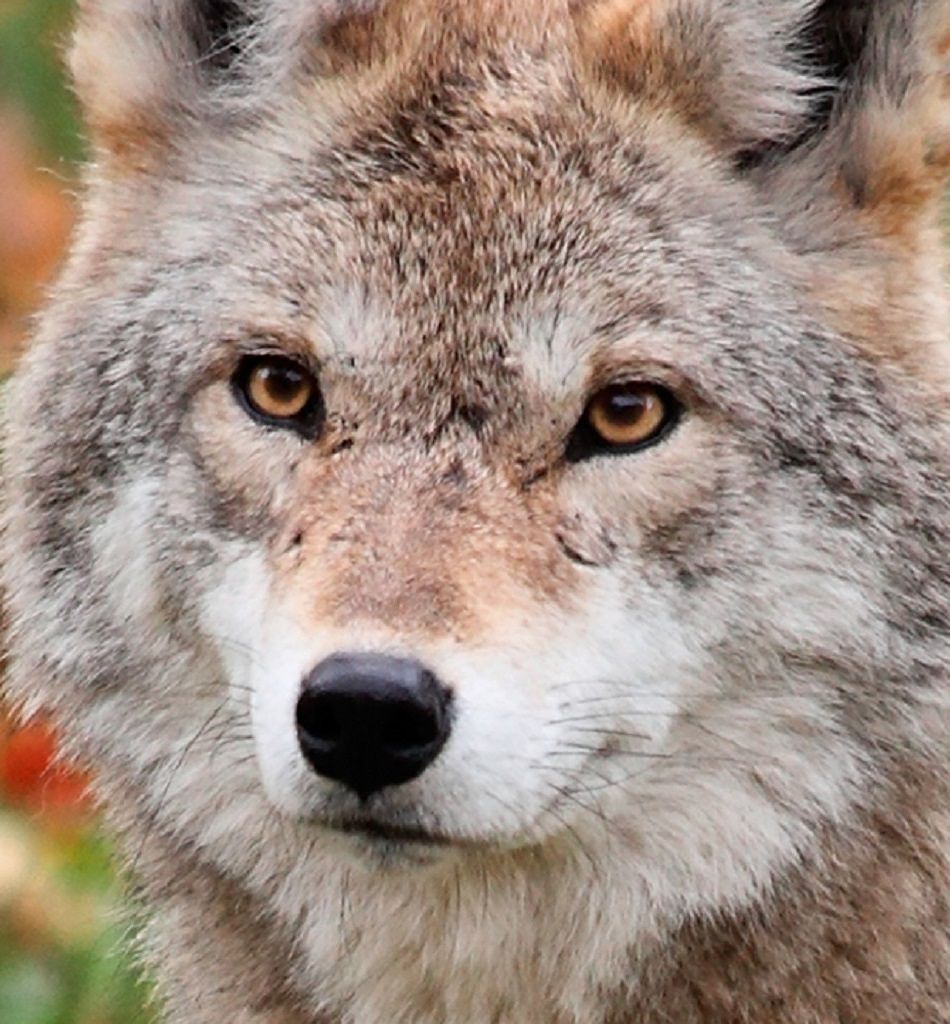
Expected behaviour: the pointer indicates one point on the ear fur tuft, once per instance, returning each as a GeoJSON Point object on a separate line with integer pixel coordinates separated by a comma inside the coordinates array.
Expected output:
{"type": "Point", "coordinates": [879, 143]}
{"type": "Point", "coordinates": [143, 67]}
{"type": "Point", "coordinates": [146, 69]}
{"type": "Point", "coordinates": [733, 70]}
{"type": "Point", "coordinates": [830, 103]}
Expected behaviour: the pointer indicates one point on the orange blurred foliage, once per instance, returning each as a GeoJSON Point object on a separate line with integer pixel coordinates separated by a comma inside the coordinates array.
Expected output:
{"type": "Point", "coordinates": [36, 216]}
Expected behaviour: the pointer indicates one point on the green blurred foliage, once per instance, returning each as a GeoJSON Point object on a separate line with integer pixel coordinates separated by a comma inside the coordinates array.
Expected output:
{"type": "Point", "coordinates": [60, 932]}
{"type": "Point", "coordinates": [32, 40]}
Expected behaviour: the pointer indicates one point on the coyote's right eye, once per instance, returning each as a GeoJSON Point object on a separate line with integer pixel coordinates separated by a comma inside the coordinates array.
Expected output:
{"type": "Point", "coordinates": [279, 392]}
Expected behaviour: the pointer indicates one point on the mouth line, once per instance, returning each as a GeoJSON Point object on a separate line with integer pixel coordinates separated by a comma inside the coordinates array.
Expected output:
{"type": "Point", "coordinates": [367, 828]}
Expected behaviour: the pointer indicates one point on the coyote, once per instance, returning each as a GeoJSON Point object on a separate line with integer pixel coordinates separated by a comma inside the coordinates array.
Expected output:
{"type": "Point", "coordinates": [479, 500]}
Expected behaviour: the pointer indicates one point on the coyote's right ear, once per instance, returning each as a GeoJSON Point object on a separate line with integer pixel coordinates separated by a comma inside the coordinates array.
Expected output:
{"type": "Point", "coordinates": [141, 66]}
{"type": "Point", "coordinates": [148, 70]}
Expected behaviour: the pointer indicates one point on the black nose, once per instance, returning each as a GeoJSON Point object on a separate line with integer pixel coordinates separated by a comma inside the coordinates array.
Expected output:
{"type": "Point", "coordinates": [371, 721]}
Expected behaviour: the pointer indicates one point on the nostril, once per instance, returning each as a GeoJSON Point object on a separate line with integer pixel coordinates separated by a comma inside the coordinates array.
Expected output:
{"type": "Point", "coordinates": [318, 720]}
{"type": "Point", "coordinates": [409, 727]}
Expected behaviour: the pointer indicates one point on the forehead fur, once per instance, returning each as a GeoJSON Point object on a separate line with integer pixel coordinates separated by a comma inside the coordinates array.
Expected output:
{"type": "Point", "coordinates": [435, 136]}
{"type": "Point", "coordinates": [824, 103]}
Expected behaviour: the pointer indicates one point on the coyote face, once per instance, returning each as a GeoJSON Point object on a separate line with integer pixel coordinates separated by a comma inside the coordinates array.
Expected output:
{"type": "Point", "coordinates": [471, 456]}
{"type": "Point", "coordinates": [583, 605]}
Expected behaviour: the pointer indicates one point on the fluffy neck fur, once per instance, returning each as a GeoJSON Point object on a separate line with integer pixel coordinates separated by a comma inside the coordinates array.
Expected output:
{"type": "Point", "coordinates": [858, 929]}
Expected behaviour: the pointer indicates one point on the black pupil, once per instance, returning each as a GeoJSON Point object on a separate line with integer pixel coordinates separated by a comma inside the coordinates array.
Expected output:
{"type": "Point", "coordinates": [283, 383]}
{"type": "Point", "coordinates": [625, 407]}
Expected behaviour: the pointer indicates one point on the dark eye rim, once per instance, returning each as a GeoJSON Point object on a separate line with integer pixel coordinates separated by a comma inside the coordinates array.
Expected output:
{"type": "Point", "coordinates": [585, 443]}
{"type": "Point", "coordinates": [308, 423]}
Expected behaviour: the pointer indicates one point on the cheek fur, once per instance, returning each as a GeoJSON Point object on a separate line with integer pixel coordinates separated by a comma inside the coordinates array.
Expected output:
{"type": "Point", "coordinates": [247, 470]}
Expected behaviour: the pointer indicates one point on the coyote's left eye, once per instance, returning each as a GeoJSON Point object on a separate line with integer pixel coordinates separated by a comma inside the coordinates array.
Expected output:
{"type": "Point", "coordinates": [624, 418]}
{"type": "Point", "coordinates": [279, 392]}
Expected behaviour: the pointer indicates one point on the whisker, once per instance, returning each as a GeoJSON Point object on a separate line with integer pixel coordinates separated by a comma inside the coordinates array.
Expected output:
{"type": "Point", "coordinates": [615, 733]}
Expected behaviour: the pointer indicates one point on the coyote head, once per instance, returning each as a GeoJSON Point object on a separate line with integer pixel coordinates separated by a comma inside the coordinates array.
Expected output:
{"type": "Point", "coordinates": [494, 433]}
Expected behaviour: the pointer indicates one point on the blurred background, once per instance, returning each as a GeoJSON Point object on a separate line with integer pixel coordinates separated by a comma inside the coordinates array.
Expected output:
{"type": "Point", "coordinates": [59, 928]}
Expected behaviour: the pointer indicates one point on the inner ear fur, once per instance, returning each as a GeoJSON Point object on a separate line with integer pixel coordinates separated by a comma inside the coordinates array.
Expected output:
{"type": "Point", "coordinates": [220, 30]}
{"type": "Point", "coordinates": [842, 102]}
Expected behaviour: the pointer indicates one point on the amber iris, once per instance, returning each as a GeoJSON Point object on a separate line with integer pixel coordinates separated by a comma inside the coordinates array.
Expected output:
{"type": "Point", "coordinates": [278, 388]}
{"type": "Point", "coordinates": [629, 415]}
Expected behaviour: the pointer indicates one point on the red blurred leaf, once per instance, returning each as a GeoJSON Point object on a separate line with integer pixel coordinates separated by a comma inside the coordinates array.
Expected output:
{"type": "Point", "coordinates": [31, 776]}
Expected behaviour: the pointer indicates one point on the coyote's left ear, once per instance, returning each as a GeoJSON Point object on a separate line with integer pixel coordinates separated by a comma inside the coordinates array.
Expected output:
{"type": "Point", "coordinates": [831, 105]}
